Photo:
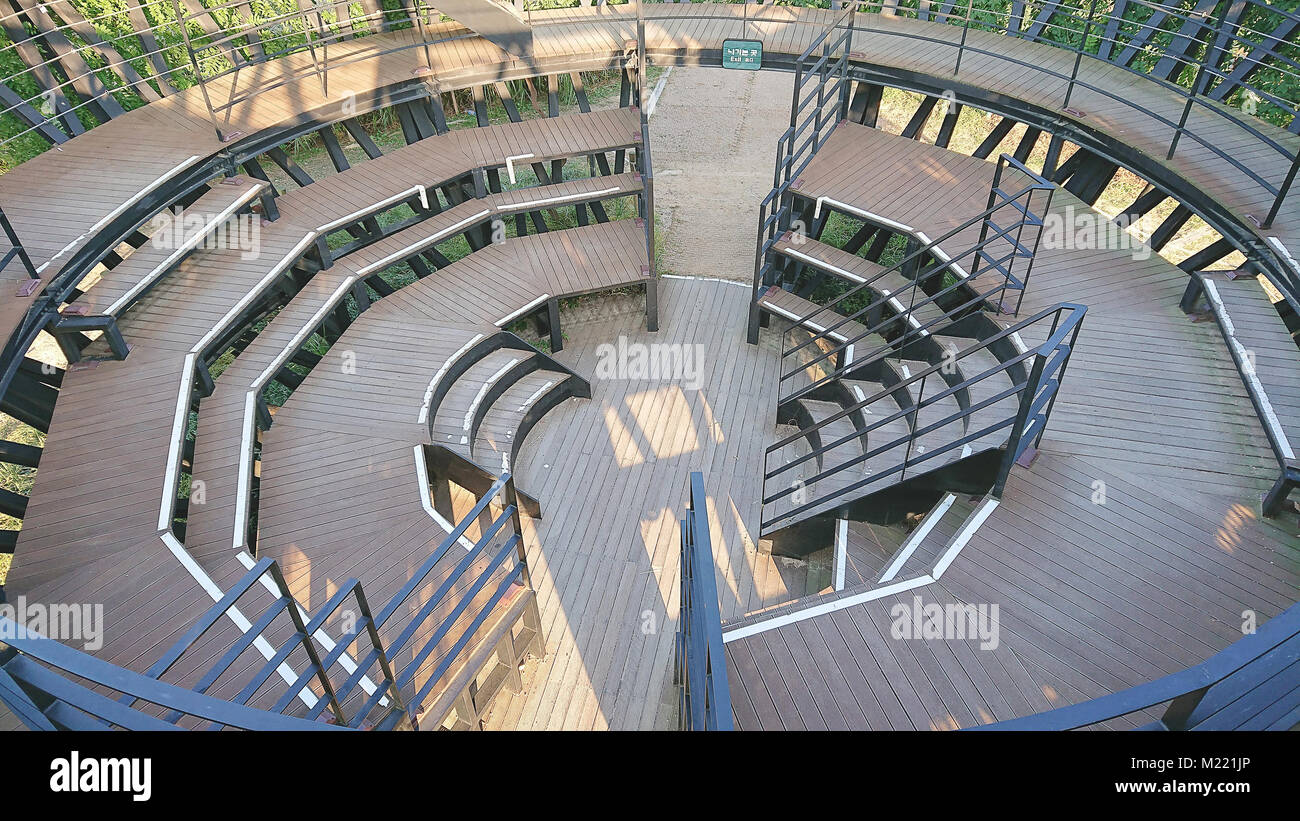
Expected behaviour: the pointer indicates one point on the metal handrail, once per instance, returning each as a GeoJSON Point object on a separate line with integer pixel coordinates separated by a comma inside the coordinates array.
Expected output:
{"type": "Point", "coordinates": [44, 664]}
{"type": "Point", "coordinates": [699, 661]}
{"type": "Point", "coordinates": [1037, 392]}
{"type": "Point", "coordinates": [1184, 691]}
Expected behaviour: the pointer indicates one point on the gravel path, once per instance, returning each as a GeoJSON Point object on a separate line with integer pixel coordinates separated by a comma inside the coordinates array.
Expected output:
{"type": "Point", "coordinates": [714, 132]}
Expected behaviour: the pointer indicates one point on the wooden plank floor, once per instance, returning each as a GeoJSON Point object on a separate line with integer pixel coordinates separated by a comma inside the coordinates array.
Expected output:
{"type": "Point", "coordinates": [94, 536]}
{"type": "Point", "coordinates": [78, 196]}
{"type": "Point", "coordinates": [609, 473]}
{"type": "Point", "coordinates": [1130, 549]}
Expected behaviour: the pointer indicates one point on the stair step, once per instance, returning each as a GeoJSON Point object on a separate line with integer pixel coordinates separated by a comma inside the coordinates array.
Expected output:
{"type": "Point", "coordinates": [117, 288]}
{"type": "Point", "coordinates": [854, 269]}
{"type": "Point", "coordinates": [451, 426]}
{"type": "Point", "coordinates": [497, 433]}
{"type": "Point", "coordinates": [807, 314]}
{"type": "Point", "coordinates": [924, 544]}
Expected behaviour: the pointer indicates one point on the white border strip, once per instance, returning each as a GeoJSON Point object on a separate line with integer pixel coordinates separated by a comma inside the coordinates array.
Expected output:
{"type": "Point", "coordinates": [422, 477]}
{"type": "Point", "coordinates": [345, 660]}
{"type": "Point", "coordinates": [510, 164]}
{"type": "Point", "coordinates": [565, 198]}
{"type": "Point", "coordinates": [862, 212]}
{"type": "Point", "coordinates": [825, 266]}
{"type": "Point", "coordinates": [654, 95]}
{"type": "Point", "coordinates": [482, 392]}
{"type": "Point", "coordinates": [976, 519]}
{"type": "Point", "coordinates": [917, 536]}
{"type": "Point", "coordinates": [1286, 254]}
{"type": "Point", "coordinates": [233, 613]}
{"type": "Point", "coordinates": [749, 284]}
{"type": "Point", "coordinates": [256, 291]}
{"type": "Point", "coordinates": [511, 316]}
{"type": "Point", "coordinates": [437, 377]}
{"type": "Point", "coordinates": [414, 247]}
{"type": "Point", "coordinates": [841, 553]}
{"type": "Point", "coordinates": [242, 490]}
{"type": "Point", "coordinates": [305, 331]}
{"type": "Point", "coordinates": [959, 541]}
{"type": "Point", "coordinates": [943, 256]}
{"type": "Point", "coordinates": [179, 419]}
{"type": "Point", "coordinates": [805, 324]}
{"type": "Point", "coordinates": [822, 609]}
{"type": "Point", "coordinates": [530, 400]}
{"type": "Point", "coordinates": [370, 210]}
{"type": "Point", "coordinates": [1242, 355]}
{"type": "Point", "coordinates": [94, 229]}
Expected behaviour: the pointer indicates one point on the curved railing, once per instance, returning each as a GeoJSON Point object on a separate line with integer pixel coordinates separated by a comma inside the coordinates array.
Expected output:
{"type": "Point", "coordinates": [1210, 694]}
{"type": "Point", "coordinates": [1226, 55]}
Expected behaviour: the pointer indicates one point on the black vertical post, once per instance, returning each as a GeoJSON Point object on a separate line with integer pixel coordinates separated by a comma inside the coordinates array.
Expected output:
{"type": "Point", "coordinates": [1078, 55]}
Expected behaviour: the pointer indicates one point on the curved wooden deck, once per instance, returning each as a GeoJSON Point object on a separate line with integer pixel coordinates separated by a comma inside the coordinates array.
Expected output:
{"type": "Point", "coordinates": [78, 198]}
{"type": "Point", "coordinates": [1191, 560]}
{"type": "Point", "coordinates": [1094, 597]}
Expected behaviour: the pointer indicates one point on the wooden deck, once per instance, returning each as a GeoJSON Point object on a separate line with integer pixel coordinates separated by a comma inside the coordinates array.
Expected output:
{"type": "Point", "coordinates": [95, 537]}
{"type": "Point", "coordinates": [1094, 597]}
{"type": "Point", "coordinates": [77, 196]}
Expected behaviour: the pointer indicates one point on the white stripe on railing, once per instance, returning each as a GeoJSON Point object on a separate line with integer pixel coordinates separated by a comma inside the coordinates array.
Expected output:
{"type": "Point", "coordinates": [916, 537]}
{"type": "Point", "coordinates": [550, 200]}
{"type": "Point", "coordinates": [422, 477]}
{"type": "Point", "coordinates": [1244, 359]}
{"type": "Point", "coordinates": [510, 164]}
{"type": "Point", "coordinates": [371, 209]}
{"type": "Point", "coordinates": [437, 377]}
{"type": "Point", "coordinates": [140, 194]}
{"type": "Point", "coordinates": [482, 392]}
{"type": "Point", "coordinates": [976, 519]}
{"type": "Point", "coordinates": [511, 316]}
{"type": "Point", "coordinates": [415, 246]}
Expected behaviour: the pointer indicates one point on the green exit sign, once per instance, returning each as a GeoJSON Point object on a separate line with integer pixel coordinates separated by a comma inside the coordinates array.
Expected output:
{"type": "Point", "coordinates": [745, 54]}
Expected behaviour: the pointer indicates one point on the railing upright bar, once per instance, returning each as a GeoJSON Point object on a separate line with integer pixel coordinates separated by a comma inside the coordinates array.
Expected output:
{"type": "Point", "coordinates": [183, 21]}
{"type": "Point", "coordinates": [705, 697]}
{"type": "Point", "coordinates": [16, 247]}
{"type": "Point", "coordinates": [1078, 56]}
{"type": "Point", "coordinates": [1282, 191]}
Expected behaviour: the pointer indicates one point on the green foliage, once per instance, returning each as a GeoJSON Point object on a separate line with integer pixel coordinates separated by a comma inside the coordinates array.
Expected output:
{"type": "Point", "coordinates": [279, 28]}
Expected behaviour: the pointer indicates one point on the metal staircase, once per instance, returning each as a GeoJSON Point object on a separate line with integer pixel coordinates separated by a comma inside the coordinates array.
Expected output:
{"type": "Point", "coordinates": [898, 381]}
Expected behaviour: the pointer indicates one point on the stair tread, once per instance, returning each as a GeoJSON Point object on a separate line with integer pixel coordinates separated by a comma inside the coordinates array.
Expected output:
{"type": "Point", "coordinates": [852, 268]}
{"type": "Point", "coordinates": [496, 433]}
{"type": "Point", "coordinates": [150, 262]}
{"type": "Point", "coordinates": [450, 426]}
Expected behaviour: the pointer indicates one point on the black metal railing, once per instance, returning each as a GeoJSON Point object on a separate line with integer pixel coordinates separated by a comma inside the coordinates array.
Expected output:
{"type": "Point", "coordinates": [1245, 51]}
{"type": "Point", "coordinates": [818, 103]}
{"type": "Point", "coordinates": [319, 656]}
{"type": "Point", "coordinates": [1031, 376]}
{"type": "Point", "coordinates": [15, 249]}
{"type": "Point", "coordinates": [1224, 59]}
{"type": "Point", "coordinates": [699, 663]}
{"type": "Point", "coordinates": [379, 690]}
{"type": "Point", "coordinates": [949, 286]}
{"type": "Point", "coordinates": [1215, 692]}
{"type": "Point", "coordinates": [41, 682]}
